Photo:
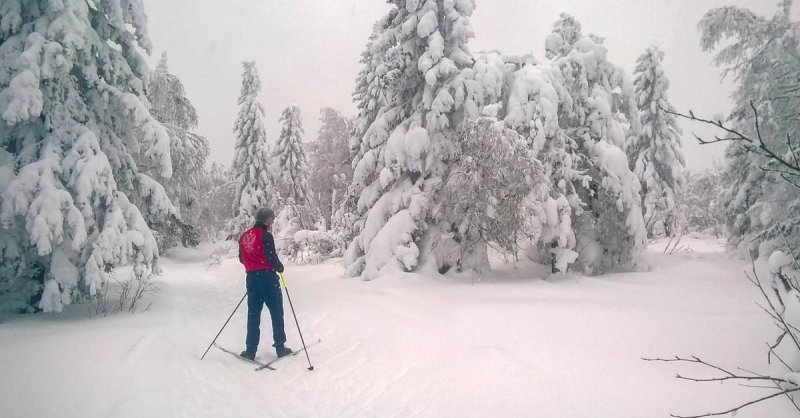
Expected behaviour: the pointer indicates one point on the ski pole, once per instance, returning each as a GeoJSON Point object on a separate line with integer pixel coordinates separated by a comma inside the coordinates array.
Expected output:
{"type": "Point", "coordinates": [310, 367]}
{"type": "Point", "coordinates": [223, 326]}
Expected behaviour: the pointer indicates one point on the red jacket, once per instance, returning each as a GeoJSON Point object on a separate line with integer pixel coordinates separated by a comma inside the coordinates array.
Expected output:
{"type": "Point", "coordinates": [257, 250]}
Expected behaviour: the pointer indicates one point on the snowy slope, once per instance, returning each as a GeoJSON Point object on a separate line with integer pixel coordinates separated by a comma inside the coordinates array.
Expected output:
{"type": "Point", "coordinates": [509, 345]}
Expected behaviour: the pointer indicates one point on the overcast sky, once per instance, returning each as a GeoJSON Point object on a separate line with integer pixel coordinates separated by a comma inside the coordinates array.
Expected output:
{"type": "Point", "coordinates": [307, 51]}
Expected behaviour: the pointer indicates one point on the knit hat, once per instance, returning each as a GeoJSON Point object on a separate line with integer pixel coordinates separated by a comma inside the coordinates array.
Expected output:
{"type": "Point", "coordinates": [264, 215]}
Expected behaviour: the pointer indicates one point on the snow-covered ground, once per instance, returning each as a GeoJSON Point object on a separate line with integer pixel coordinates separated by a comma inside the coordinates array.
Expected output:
{"type": "Point", "coordinates": [509, 344]}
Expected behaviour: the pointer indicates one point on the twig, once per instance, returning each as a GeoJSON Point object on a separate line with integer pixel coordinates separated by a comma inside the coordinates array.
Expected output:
{"type": "Point", "coordinates": [738, 136]}
{"type": "Point", "coordinates": [694, 359]}
{"type": "Point", "coordinates": [784, 326]}
{"type": "Point", "coordinates": [710, 414]}
{"type": "Point", "coordinates": [728, 375]}
{"type": "Point", "coordinates": [746, 375]}
{"type": "Point", "coordinates": [778, 386]}
{"type": "Point", "coordinates": [786, 179]}
{"type": "Point", "coordinates": [756, 386]}
{"type": "Point", "coordinates": [773, 353]}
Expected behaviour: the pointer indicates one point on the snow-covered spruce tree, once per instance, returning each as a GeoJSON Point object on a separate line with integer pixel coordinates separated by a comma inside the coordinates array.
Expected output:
{"type": "Point", "coordinates": [406, 152]}
{"type": "Point", "coordinates": [168, 101]}
{"type": "Point", "coordinates": [655, 154]}
{"type": "Point", "coordinates": [252, 168]}
{"type": "Point", "coordinates": [761, 55]}
{"type": "Point", "coordinates": [292, 169]}
{"type": "Point", "coordinates": [377, 98]}
{"type": "Point", "coordinates": [170, 106]}
{"type": "Point", "coordinates": [330, 172]}
{"type": "Point", "coordinates": [384, 64]}
{"type": "Point", "coordinates": [598, 114]}
{"type": "Point", "coordinates": [73, 126]}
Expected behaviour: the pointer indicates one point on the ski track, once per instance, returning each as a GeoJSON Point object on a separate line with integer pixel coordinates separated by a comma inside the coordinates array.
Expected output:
{"type": "Point", "coordinates": [509, 345]}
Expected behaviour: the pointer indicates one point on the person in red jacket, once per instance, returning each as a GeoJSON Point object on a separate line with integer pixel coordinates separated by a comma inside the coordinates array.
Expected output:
{"type": "Point", "coordinates": [257, 253]}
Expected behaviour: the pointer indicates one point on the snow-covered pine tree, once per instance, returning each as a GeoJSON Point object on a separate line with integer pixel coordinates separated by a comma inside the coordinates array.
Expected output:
{"type": "Point", "coordinates": [598, 114]}
{"type": "Point", "coordinates": [760, 204]}
{"type": "Point", "coordinates": [655, 154]}
{"type": "Point", "coordinates": [255, 175]}
{"type": "Point", "coordinates": [170, 106]}
{"type": "Point", "coordinates": [405, 152]}
{"type": "Point", "coordinates": [330, 173]}
{"type": "Point", "coordinates": [291, 168]}
{"type": "Point", "coordinates": [73, 126]}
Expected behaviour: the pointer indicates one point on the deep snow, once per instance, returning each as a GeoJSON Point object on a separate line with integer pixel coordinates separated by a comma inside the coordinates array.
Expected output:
{"type": "Point", "coordinates": [511, 344]}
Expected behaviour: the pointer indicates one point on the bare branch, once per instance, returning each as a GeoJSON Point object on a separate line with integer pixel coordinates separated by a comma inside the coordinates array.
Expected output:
{"type": "Point", "coordinates": [783, 325]}
{"type": "Point", "coordinates": [724, 378]}
{"type": "Point", "coordinates": [779, 171]}
{"type": "Point", "coordinates": [773, 315]}
{"type": "Point", "coordinates": [786, 179]}
{"type": "Point", "coordinates": [764, 398]}
{"type": "Point", "coordinates": [757, 386]}
{"type": "Point", "coordinates": [737, 136]}
{"type": "Point", "coordinates": [761, 146]}
{"type": "Point", "coordinates": [765, 148]}
{"type": "Point", "coordinates": [694, 359]}
{"type": "Point", "coordinates": [782, 386]}
{"type": "Point", "coordinates": [728, 374]}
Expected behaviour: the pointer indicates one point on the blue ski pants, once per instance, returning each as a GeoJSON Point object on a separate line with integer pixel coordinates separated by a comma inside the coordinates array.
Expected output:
{"type": "Point", "coordinates": [264, 288]}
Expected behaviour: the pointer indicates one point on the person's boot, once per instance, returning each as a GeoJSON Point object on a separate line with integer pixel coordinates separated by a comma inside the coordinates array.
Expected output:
{"type": "Point", "coordinates": [250, 355]}
{"type": "Point", "coordinates": [282, 351]}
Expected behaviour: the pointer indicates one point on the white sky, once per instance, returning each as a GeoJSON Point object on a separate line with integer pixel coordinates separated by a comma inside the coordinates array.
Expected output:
{"type": "Point", "coordinates": [307, 51]}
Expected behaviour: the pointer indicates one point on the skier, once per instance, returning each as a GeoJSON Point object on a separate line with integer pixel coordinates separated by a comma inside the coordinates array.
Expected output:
{"type": "Point", "coordinates": [257, 253]}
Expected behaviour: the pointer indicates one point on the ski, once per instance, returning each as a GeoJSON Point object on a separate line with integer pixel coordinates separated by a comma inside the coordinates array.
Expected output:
{"type": "Point", "coordinates": [268, 365]}
{"type": "Point", "coordinates": [258, 363]}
